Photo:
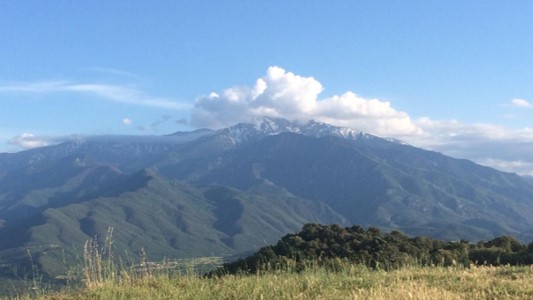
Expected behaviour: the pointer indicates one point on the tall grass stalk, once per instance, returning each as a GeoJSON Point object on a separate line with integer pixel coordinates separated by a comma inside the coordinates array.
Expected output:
{"type": "Point", "coordinates": [102, 268]}
{"type": "Point", "coordinates": [350, 282]}
{"type": "Point", "coordinates": [36, 286]}
{"type": "Point", "coordinates": [105, 276]}
{"type": "Point", "coordinates": [99, 263]}
{"type": "Point", "coordinates": [346, 281]}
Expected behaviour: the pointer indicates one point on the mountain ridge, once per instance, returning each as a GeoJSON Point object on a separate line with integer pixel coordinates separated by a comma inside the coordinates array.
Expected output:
{"type": "Point", "coordinates": [232, 190]}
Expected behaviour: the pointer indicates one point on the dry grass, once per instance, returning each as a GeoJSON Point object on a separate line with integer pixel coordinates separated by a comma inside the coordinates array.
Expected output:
{"type": "Point", "coordinates": [353, 282]}
{"type": "Point", "coordinates": [103, 278]}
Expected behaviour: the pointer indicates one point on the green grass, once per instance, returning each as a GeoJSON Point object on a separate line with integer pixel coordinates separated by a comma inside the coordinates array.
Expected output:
{"type": "Point", "coordinates": [351, 282]}
{"type": "Point", "coordinates": [104, 276]}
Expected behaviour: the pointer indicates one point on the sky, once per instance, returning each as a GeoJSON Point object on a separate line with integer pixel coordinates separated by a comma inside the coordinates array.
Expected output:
{"type": "Point", "coordinates": [449, 76]}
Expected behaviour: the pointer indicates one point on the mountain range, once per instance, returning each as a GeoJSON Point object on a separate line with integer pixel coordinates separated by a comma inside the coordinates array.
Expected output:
{"type": "Point", "coordinates": [231, 191]}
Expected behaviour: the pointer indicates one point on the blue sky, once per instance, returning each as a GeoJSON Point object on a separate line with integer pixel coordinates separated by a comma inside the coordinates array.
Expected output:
{"type": "Point", "coordinates": [452, 76]}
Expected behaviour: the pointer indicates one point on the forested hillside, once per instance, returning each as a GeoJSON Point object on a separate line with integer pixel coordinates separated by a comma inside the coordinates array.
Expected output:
{"type": "Point", "coordinates": [332, 245]}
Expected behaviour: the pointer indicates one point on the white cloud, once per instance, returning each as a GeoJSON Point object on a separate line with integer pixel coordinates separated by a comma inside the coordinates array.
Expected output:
{"type": "Point", "coordinates": [29, 140]}
{"type": "Point", "coordinates": [34, 87]}
{"type": "Point", "coordinates": [117, 93]}
{"type": "Point", "coordinates": [116, 72]}
{"type": "Point", "coordinates": [283, 94]}
{"type": "Point", "coordinates": [495, 146]}
{"type": "Point", "coordinates": [515, 166]}
{"type": "Point", "coordinates": [126, 95]}
{"type": "Point", "coordinates": [517, 102]}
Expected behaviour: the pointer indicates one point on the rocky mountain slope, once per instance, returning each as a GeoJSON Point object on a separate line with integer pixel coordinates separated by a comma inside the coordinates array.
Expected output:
{"type": "Point", "coordinates": [236, 189]}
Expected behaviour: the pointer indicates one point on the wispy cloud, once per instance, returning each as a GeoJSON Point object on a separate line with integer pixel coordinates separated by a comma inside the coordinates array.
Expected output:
{"type": "Point", "coordinates": [33, 87]}
{"type": "Point", "coordinates": [162, 120]}
{"type": "Point", "coordinates": [515, 166]}
{"type": "Point", "coordinates": [116, 72]}
{"type": "Point", "coordinates": [28, 140]}
{"type": "Point", "coordinates": [118, 93]}
{"type": "Point", "coordinates": [496, 146]}
{"type": "Point", "coordinates": [126, 95]}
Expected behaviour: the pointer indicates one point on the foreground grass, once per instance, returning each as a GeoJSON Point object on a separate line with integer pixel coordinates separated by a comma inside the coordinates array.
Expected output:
{"type": "Point", "coordinates": [352, 282]}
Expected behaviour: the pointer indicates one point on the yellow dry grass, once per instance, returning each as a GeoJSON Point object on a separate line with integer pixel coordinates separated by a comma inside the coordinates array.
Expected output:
{"type": "Point", "coordinates": [351, 282]}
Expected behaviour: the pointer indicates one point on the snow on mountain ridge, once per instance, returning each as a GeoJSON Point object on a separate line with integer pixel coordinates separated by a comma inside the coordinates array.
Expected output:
{"type": "Point", "coordinates": [109, 147]}
{"type": "Point", "coordinates": [262, 127]}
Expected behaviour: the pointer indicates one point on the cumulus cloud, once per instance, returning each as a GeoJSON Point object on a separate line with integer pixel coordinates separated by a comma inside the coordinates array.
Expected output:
{"type": "Point", "coordinates": [280, 93]}
{"type": "Point", "coordinates": [283, 94]}
{"type": "Point", "coordinates": [116, 93]}
{"type": "Point", "coordinates": [127, 121]}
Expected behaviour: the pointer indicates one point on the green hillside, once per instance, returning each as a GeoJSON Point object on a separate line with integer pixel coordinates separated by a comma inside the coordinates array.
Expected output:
{"type": "Point", "coordinates": [232, 191]}
{"type": "Point", "coordinates": [165, 219]}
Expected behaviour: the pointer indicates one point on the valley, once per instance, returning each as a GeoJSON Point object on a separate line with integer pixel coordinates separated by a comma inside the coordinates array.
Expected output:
{"type": "Point", "coordinates": [232, 191]}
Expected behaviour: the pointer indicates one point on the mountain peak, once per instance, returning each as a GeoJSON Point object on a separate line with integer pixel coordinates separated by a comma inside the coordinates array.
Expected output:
{"type": "Point", "coordinates": [261, 127]}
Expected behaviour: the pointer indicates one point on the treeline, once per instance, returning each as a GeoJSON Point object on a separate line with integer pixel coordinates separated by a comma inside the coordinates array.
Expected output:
{"type": "Point", "coordinates": [328, 245]}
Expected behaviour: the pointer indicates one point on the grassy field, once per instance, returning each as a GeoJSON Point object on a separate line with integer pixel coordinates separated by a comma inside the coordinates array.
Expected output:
{"type": "Point", "coordinates": [351, 282]}
{"type": "Point", "coordinates": [104, 276]}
